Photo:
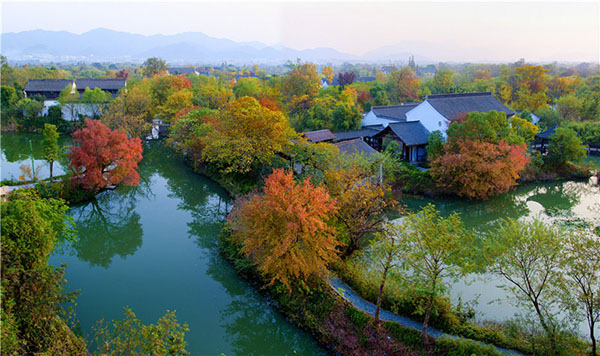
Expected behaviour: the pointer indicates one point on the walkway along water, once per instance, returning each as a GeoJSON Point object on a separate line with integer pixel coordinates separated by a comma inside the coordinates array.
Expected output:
{"type": "Point", "coordinates": [347, 293]}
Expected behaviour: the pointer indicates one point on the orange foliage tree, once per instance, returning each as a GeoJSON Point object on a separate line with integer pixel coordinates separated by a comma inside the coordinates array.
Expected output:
{"type": "Point", "coordinates": [105, 157]}
{"type": "Point", "coordinates": [479, 170]}
{"type": "Point", "coordinates": [284, 230]}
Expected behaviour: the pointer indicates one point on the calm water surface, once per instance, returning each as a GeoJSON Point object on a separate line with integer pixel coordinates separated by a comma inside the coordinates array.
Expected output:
{"type": "Point", "coordinates": [154, 248]}
{"type": "Point", "coordinates": [16, 152]}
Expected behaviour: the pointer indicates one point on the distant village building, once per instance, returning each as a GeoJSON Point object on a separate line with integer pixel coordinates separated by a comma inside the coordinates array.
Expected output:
{"type": "Point", "coordinates": [427, 71]}
{"type": "Point", "coordinates": [50, 89]}
{"type": "Point", "coordinates": [182, 70]}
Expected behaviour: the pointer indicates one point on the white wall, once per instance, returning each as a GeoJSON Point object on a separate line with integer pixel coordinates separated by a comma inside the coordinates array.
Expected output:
{"type": "Point", "coordinates": [82, 109]}
{"type": "Point", "coordinates": [429, 117]}
{"type": "Point", "coordinates": [371, 119]}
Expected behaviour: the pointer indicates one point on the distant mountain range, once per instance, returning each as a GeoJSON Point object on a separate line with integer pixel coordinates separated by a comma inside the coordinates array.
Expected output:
{"type": "Point", "coordinates": [103, 45]}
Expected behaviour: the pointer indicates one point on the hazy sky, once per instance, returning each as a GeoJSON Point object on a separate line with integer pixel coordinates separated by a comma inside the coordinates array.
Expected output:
{"type": "Point", "coordinates": [536, 31]}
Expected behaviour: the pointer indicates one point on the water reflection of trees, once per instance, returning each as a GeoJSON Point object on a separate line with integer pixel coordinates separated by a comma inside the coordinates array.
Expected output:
{"type": "Point", "coordinates": [109, 225]}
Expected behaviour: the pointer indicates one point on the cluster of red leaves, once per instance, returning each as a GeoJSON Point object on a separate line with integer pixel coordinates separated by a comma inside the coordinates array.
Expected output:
{"type": "Point", "coordinates": [479, 170]}
{"type": "Point", "coordinates": [105, 157]}
{"type": "Point", "coordinates": [284, 230]}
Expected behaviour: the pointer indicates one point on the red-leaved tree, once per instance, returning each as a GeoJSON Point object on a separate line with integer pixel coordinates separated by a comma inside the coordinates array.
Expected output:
{"type": "Point", "coordinates": [104, 157]}
{"type": "Point", "coordinates": [479, 169]}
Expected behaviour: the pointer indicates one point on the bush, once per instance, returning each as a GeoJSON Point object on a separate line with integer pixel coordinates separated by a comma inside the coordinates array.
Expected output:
{"type": "Point", "coordinates": [463, 347]}
{"type": "Point", "coordinates": [407, 336]}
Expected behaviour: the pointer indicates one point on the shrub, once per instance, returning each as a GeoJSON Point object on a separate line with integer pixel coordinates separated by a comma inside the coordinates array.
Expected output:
{"type": "Point", "coordinates": [463, 347]}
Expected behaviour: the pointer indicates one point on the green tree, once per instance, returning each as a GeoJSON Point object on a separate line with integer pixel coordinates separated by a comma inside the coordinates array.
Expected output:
{"type": "Point", "coordinates": [434, 249]}
{"type": "Point", "coordinates": [582, 267]}
{"type": "Point", "coordinates": [565, 146]}
{"type": "Point", "coordinates": [435, 145]}
{"type": "Point", "coordinates": [95, 100]}
{"type": "Point", "coordinates": [153, 66]}
{"type": "Point", "coordinates": [527, 255]}
{"type": "Point", "coordinates": [130, 337]}
{"type": "Point", "coordinates": [50, 143]}
{"type": "Point", "coordinates": [33, 313]}
{"type": "Point", "coordinates": [69, 98]}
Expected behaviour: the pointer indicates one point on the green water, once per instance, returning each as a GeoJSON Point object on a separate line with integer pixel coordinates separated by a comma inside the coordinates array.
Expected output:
{"type": "Point", "coordinates": [154, 248]}
{"type": "Point", "coordinates": [559, 203]}
{"type": "Point", "coordinates": [16, 152]}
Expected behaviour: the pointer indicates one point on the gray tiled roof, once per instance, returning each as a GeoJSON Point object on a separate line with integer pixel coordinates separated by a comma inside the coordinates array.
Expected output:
{"type": "Point", "coordinates": [412, 133]}
{"type": "Point", "coordinates": [104, 84]}
{"type": "Point", "coordinates": [452, 105]}
{"type": "Point", "coordinates": [356, 146]}
{"type": "Point", "coordinates": [394, 112]}
{"type": "Point", "coordinates": [319, 136]}
{"type": "Point", "coordinates": [47, 84]}
{"type": "Point", "coordinates": [349, 135]}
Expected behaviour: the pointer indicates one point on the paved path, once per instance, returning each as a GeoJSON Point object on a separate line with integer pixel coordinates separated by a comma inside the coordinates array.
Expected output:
{"type": "Point", "coordinates": [347, 293]}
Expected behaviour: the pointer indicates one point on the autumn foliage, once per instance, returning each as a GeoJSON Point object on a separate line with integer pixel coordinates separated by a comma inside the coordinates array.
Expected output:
{"type": "Point", "coordinates": [479, 169]}
{"type": "Point", "coordinates": [105, 157]}
{"type": "Point", "coordinates": [284, 230]}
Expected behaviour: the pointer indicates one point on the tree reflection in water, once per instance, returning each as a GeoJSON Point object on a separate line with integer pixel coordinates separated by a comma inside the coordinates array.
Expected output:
{"type": "Point", "coordinates": [109, 225]}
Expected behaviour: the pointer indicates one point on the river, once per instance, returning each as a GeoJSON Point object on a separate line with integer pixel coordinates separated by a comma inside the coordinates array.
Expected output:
{"type": "Point", "coordinates": [154, 248]}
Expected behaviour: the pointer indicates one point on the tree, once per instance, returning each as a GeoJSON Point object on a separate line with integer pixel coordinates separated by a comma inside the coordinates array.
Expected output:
{"type": "Point", "coordinates": [530, 88]}
{"type": "Point", "coordinates": [153, 66]}
{"type": "Point", "coordinates": [50, 143]}
{"type": "Point", "coordinates": [362, 202]}
{"type": "Point", "coordinates": [244, 136]}
{"type": "Point", "coordinates": [33, 316]}
{"type": "Point", "coordinates": [442, 82]}
{"type": "Point", "coordinates": [177, 101]}
{"type": "Point", "coordinates": [247, 87]}
{"type": "Point", "coordinates": [302, 81]}
{"type": "Point", "coordinates": [528, 256]}
{"type": "Point", "coordinates": [105, 157]}
{"type": "Point", "coordinates": [95, 100]}
{"type": "Point", "coordinates": [433, 248]}
{"type": "Point", "coordinates": [346, 79]}
{"type": "Point", "coordinates": [69, 98]}
{"type": "Point", "coordinates": [435, 145]}
{"type": "Point", "coordinates": [284, 230]}
{"type": "Point", "coordinates": [130, 337]}
{"type": "Point", "coordinates": [385, 250]}
{"type": "Point", "coordinates": [402, 86]}
{"type": "Point", "coordinates": [130, 112]}
{"type": "Point", "coordinates": [328, 74]}
{"type": "Point", "coordinates": [479, 170]}
{"type": "Point", "coordinates": [379, 95]}
{"type": "Point", "coordinates": [583, 277]}
{"type": "Point", "coordinates": [569, 107]}
{"type": "Point", "coordinates": [564, 146]}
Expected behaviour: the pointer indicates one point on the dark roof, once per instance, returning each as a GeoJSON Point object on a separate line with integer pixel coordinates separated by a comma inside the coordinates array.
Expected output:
{"type": "Point", "coordinates": [412, 133]}
{"type": "Point", "coordinates": [349, 135]}
{"type": "Point", "coordinates": [356, 146]}
{"type": "Point", "coordinates": [451, 105]}
{"type": "Point", "coordinates": [181, 70]}
{"type": "Point", "coordinates": [394, 112]}
{"type": "Point", "coordinates": [47, 84]}
{"type": "Point", "coordinates": [545, 135]}
{"type": "Point", "coordinates": [430, 69]}
{"type": "Point", "coordinates": [319, 136]}
{"type": "Point", "coordinates": [104, 84]}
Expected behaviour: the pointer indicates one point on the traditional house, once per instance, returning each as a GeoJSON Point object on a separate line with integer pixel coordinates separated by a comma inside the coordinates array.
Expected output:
{"type": "Point", "coordinates": [319, 136]}
{"type": "Point", "coordinates": [543, 138]}
{"type": "Point", "coordinates": [437, 111]}
{"type": "Point", "coordinates": [355, 146]}
{"type": "Point", "coordinates": [384, 115]}
{"type": "Point", "coordinates": [50, 90]}
{"type": "Point", "coordinates": [412, 137]}
{"type": "Point", "coordinates": [366, 134]}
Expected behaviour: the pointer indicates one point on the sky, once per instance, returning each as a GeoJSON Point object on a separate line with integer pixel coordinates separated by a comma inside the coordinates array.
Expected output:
{"type": "Point", "coordinates": [472, 31]}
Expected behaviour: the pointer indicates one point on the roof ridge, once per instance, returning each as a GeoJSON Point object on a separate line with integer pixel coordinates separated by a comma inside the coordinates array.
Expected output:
{"type": "Point", "coordinates": [454, 95]}
{"type": "Point", "coordinates": [396, 106]}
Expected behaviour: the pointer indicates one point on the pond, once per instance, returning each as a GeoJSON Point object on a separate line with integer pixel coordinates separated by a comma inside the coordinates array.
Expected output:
{"type": "Point", "coordinates": [559, 202]}
{"type": "Point", "coordinates": [16, 152]}
{"type": "Point", "coordinates": [154, 248]}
